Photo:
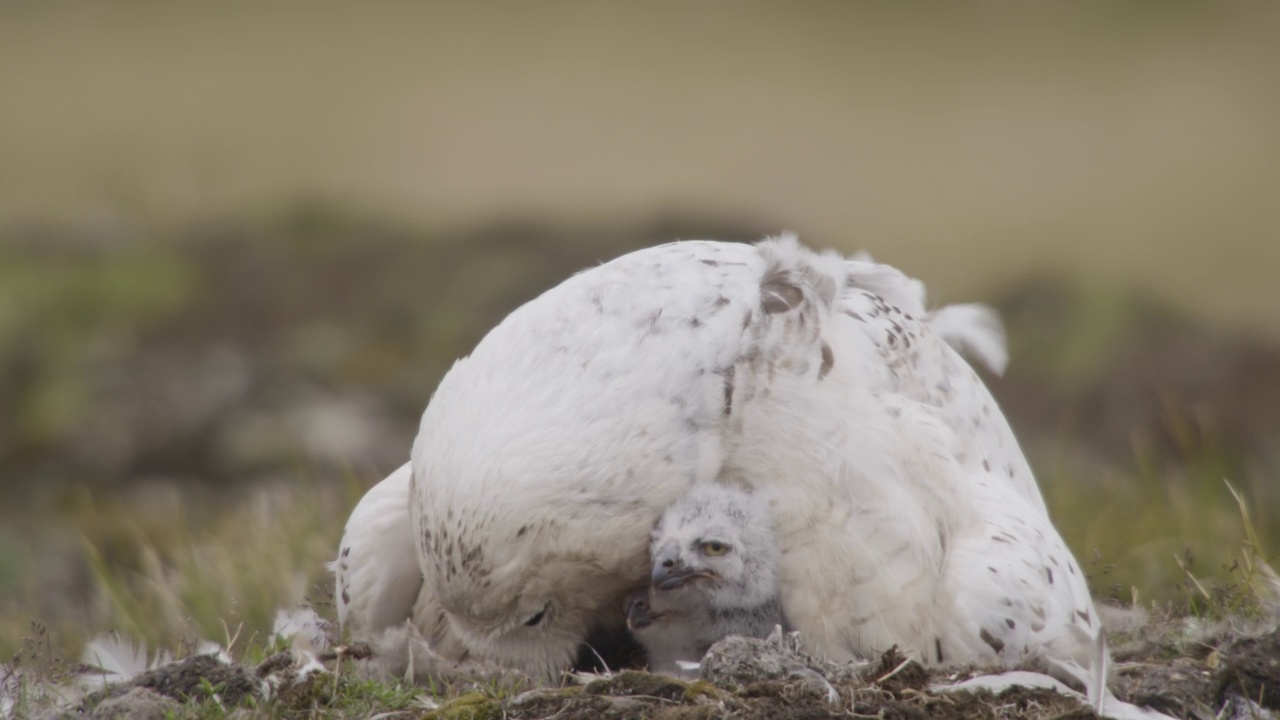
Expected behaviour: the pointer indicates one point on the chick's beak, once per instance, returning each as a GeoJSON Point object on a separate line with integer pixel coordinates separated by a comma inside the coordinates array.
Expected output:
{"type": "Point", "coordinates": [640, 614]}
{"type": "Point", "coordinates": [670, 572]}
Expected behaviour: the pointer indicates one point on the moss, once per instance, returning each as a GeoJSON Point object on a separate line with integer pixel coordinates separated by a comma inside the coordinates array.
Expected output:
{"type": "Point", "coordinates": [685, 712]}
{"type": "Point", "coordinates": [631, 682]}
{"type": "Point", "coordinates": [471, 706]}
{"type": "Point", "coordinates": [701, 690]}
{"type": "Point", "coordinates": [318, 690]}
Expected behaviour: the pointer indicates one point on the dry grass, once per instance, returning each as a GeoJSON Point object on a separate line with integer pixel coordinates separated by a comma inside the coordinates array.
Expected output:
{"type": "Point", "coordinates": [1143, 539]}
{"type": "Point", "coordinates": [187, 572]}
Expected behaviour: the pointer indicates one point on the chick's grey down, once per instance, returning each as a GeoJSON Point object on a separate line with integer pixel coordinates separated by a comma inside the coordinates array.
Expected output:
{"type": "Point", "coordinates": [714, 574]}
{"type": "Point", "coordinates": [903, 510]}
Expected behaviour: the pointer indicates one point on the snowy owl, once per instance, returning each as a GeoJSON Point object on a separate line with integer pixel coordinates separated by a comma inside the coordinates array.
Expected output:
{"type": "Point", "coordinates": [904, 511]}
{"type": "Point", "coordinates": [714, 574]}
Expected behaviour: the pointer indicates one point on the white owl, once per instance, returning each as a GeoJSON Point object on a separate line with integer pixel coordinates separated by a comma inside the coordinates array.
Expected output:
{"type": "Point", "coordinates": [904, 512]}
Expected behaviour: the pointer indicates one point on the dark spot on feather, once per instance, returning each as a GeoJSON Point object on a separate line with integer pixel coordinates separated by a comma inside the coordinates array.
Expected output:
{"type": "Point", "coordinates": [993, 569]}
{"type": "Point", "coordinates": [1010, 623]}
{"type": "Point", "coordinates": [996, 643]}
{"type": "Point", "coordinates": [471, 555]}
{"type": "Point", "coordinates": [728, 389]}
{"type": "Point", "coordinates": [523, 529]}
{"type": "Point", "coordinates": [997, 538]}
{"type": "Point", "coordinates": [854, 315]}
{"type": "Point", "coordinates": [986, 465]}
{"type": "Point", "coordinates": [710, 263]}
{"type": "Point", "coordinates": [828, 359]}
{"type": "Point", "coordinates": [695, 322]}
{"type": "Point", "coordinates": [746, 320]}
{"type": "Point", "coordinates": [778, 296]}
{"type": "Point", "coordinates": [346, 551]}
{"type": "Point", "coordinates": [1049, 571]}
{"type": "Point", "coordinates": [346, 598]}
{"type": "Point", "coordinates": [937, 648]}
{"type": "Point", "coordinates": [1084, 615]}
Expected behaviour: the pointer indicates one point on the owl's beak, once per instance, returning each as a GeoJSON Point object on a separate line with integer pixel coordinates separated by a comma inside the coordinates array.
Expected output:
{"type": "Point", "coordinates": [640, 614]}
{"type": "Point", "coordinates": [671, 572]}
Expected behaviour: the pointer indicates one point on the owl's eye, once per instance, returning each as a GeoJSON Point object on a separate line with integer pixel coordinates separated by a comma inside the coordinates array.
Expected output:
{"type": "Point", "coordinates": [537, 617]}
{"type": "Point", "coordinates": [713, 548]}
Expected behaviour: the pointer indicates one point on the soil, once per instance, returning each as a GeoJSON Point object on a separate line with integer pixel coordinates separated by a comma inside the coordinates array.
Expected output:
{"type": "Point", "coordinates": [1232, 674]}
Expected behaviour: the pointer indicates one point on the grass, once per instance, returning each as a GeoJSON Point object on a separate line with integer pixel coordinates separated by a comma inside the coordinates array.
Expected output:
{"type": "Point", "coordinates": [339, 695]}
{"type": "Point", "coordinates": [181, 572]}
{"type": "Point", "coordinates": [1142, 534]}
{"type": "Point", "coordinates": [1252, 586]}
{"type": "Point", "coordinates": [223, 578]}
{"type": "Point", "coordinates": [34, 686]}
{"type": "Point", "coordinates": [220, 577]}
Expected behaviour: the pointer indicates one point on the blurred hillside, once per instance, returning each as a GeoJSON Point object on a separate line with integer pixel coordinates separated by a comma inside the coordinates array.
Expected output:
{"type": "Point", "coordinates": [240, 242]}
{"type": "Point", "coordinates": [301, 348]}
{"type": "Point", "coordinates": [974, 142]}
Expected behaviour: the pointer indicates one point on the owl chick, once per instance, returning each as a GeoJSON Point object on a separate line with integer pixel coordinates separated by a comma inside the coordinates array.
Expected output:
{"type": "Point", "coordinates": [714, 574]}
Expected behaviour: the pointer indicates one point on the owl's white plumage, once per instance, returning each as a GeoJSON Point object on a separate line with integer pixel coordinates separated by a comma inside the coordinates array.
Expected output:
{"type": "Point", "coordinates": [905, 512]}
{"type": "Point", "coordinates": [376, 575]}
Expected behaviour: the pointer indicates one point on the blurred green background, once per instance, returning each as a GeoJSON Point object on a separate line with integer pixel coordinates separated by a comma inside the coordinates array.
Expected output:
{"type": "Point", "coordinates": [241, 241]}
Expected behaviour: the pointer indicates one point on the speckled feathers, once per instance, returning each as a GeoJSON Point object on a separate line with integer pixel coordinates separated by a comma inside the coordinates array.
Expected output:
{"type": "Point", "coordinates": [545, 458]}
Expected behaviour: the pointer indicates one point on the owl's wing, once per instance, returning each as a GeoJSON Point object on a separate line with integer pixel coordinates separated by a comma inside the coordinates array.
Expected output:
{"type": "Point", "coordinates": [376, 575]}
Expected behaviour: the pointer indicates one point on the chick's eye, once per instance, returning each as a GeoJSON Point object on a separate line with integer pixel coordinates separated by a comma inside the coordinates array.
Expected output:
{"type": "Point", "coordinates": [714, 548]}
{"type": "Point", "coordinates": [537, 617]}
